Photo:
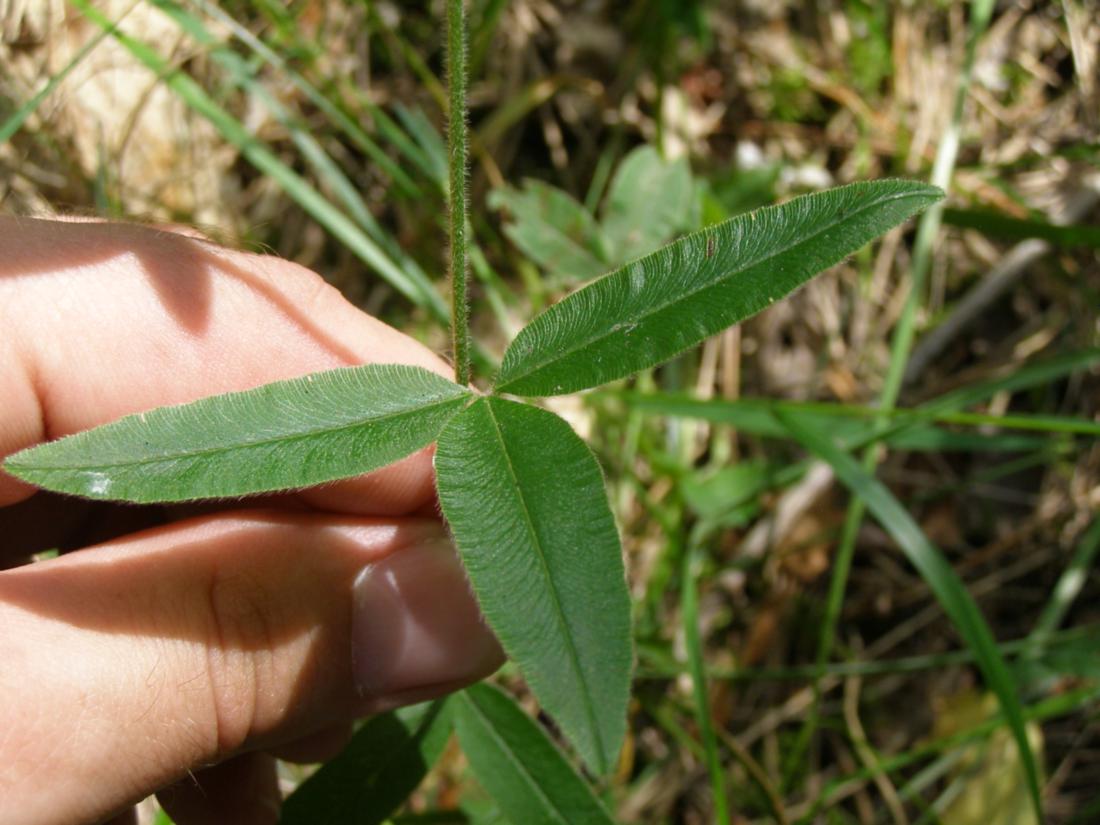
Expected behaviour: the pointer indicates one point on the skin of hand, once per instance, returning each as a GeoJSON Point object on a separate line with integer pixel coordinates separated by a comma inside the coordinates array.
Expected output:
{"type": "Point", "coordinates": [179, 649]}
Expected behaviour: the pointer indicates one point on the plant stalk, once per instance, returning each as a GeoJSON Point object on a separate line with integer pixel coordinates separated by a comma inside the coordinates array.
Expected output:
{"type": "Point", "coordinates": [457, 146]}
{"type": "Point", "coordinates": [689, 605]}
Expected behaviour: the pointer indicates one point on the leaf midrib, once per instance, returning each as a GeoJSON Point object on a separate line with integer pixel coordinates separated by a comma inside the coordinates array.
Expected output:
{"type": "Point", "coordinates": [488, 726]}
{"type": "Point", "coordinates": [559, 613]}
{"type": "Point", "coordinates": [682, 297]}
{"type": "Point", "coordinates": [208, 451]}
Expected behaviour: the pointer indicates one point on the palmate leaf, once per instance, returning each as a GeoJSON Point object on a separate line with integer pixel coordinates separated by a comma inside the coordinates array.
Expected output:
{"type": "Point", "coordinates": [520, 767]}
{"type": "Point", "coordinates": [659, 305]}
{"type": "Point", "coordinates": [296, 433]}
{"type": "Point", "coordinates": [526, 503]}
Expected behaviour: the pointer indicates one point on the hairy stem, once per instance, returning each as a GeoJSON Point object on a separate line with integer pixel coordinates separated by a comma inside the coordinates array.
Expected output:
{"type": "Point", "coordinates": [456, 141]}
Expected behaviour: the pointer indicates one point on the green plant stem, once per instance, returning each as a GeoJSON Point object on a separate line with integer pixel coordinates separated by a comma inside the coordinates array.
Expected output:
{"type": "Point", "coordinates": [457, 145]}
{"type": "Point", "coordinates": [904, 332]}
{"type": "Point", "coordinates": [928, 228]}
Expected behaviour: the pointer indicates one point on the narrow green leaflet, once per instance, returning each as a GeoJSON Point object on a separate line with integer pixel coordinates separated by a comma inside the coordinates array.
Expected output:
{"type": "Point", "coordinates": [518, 765]}
{"type": "Point", "coordinates": [659, 305]}
{"type": "Point", "coordinates": [295, 433]}
{"type": "Point", "coordinates": [526, 502]}
{"type": "Point", "coordinates": [374, 775]}
{"type": "Point", "coordinates": [949, 590]}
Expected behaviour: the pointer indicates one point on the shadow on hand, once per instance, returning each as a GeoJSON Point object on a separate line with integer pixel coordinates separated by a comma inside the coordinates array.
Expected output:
{"type": "Point", "coordinates": [253, 581]}
{"type": "Point", "coordinates": [179, 268]}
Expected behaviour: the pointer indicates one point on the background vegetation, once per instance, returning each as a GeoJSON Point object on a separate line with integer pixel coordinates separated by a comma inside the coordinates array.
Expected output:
{"type": "Point", "coordinates": [835, 687]}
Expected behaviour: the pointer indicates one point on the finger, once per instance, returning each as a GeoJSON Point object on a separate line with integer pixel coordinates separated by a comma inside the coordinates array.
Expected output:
{"type": "Point", "coordinates": [245, 789]}
{"type": "Point", "coordinates": [240, 791]}
{"type": "Point", "coordinates": [181, 646]}
{"type": "Point", "coordinates": [101, 320]}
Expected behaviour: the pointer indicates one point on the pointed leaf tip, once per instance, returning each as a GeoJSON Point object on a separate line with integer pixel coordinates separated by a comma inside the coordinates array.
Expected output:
{"type": "Point", "coordinates": [657, 306]}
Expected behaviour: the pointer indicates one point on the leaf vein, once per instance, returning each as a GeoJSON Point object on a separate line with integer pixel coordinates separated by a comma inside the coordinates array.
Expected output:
{"type": "Point", "coordinates": [559, 613]}
{"type": "Point", "coordinates": [681, 297]}
{"type": "Point", "coordinates": [225, 448]}
{"type": "Point", "coordinates": [509, 753]}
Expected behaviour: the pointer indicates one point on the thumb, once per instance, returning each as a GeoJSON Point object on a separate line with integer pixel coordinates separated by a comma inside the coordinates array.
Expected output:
{"type": "Point", "coordinates": [130, 665]}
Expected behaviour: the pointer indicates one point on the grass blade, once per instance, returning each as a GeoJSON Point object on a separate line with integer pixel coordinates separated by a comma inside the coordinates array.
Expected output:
{"type": "Point", "coordinates": [937, 573]}
{"type": "Point", "coordinates": [659, 664]}
{"type": "Point", "coordinates": [1068, 587]}
{"type": "Point", "coordinates": [15, 122]}
{"type": "Point", "coordinates": [650, 310]}
{"type": "Point", "coordinates": [418, 290]}
{"type": "Point", "coordinates": [311, 151]}
{"type": "Point", "coordinates": [689, 605]}
{"type": "Point", "coordinates": [997, 225]}
{"type": "Point", "coordinates": [333, 112]}
{"type": "Point", "coordinates": [244, 78]}
{"type": "Point", "coordinates": [1032, 375]}
{"type": "Point", "coordinates": [287, 434]}
{"type": "Point", "coordinates": [757, 416]}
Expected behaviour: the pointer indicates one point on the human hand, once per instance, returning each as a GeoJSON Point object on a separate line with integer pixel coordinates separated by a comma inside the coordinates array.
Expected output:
{"type": "Point", "coordinates": [192, 643]}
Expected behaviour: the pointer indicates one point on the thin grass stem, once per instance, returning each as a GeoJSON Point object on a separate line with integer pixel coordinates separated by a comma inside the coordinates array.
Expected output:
{"type": "Point", "coordinates": [15, 122]}
{"type": "Point", "coordinates": [657, 665]}
{"type": "Point", "coordinates": [689, 605]}
{"type": "Point", "coordinates": [1067, 589]}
